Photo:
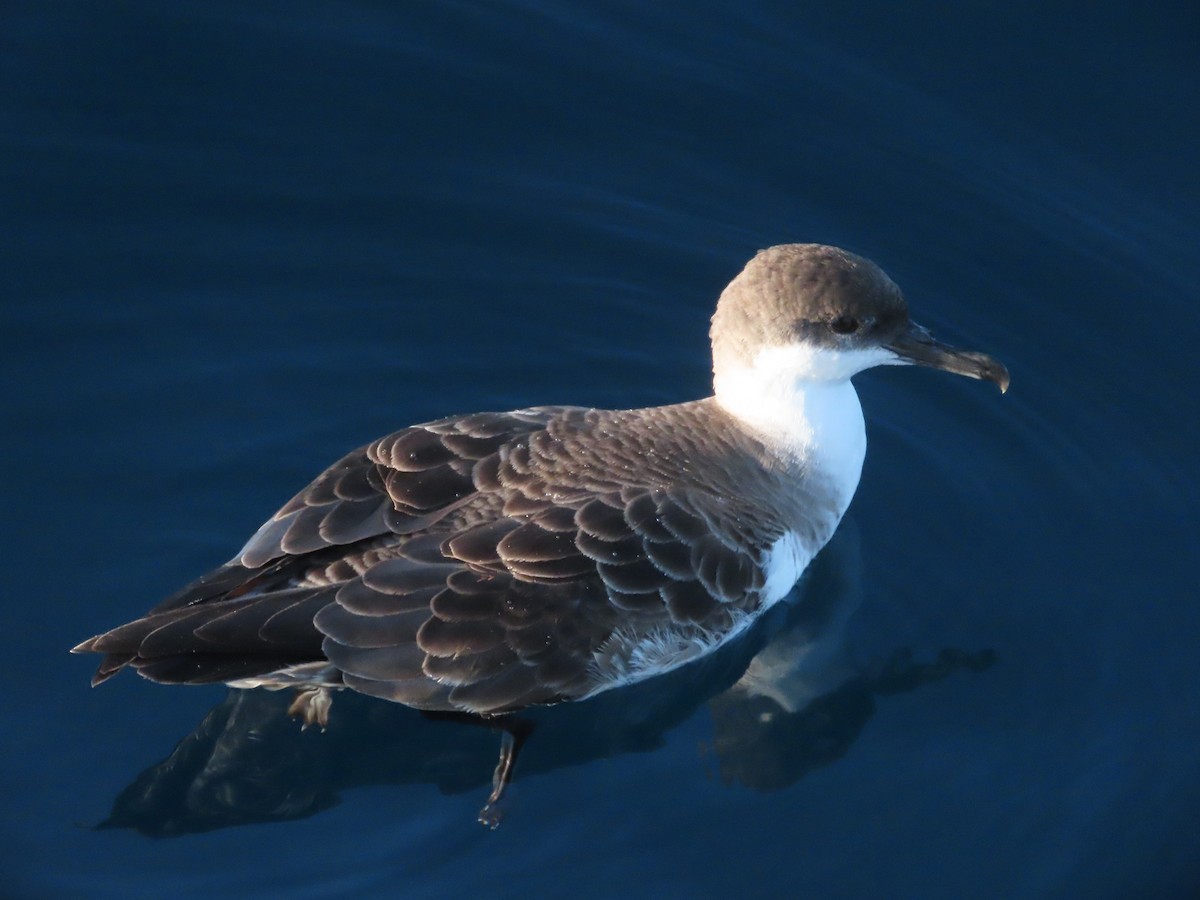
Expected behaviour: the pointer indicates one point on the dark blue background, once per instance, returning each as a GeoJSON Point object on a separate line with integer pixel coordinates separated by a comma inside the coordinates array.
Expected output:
{"type": "Point", "coordinates": [240, 239]}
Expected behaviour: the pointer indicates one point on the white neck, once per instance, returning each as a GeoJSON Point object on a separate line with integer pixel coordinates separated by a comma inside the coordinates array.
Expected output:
{"type": "Point", "coordinates": [800, 401]}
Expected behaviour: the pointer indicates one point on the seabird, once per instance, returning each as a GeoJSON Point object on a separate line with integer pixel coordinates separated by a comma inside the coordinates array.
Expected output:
{"type": "Point", "coordinates": [481, 564]}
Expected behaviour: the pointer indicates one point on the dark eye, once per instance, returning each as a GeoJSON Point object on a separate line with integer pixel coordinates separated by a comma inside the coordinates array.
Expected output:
{"type": "Point", "coordinates": [844, 325]}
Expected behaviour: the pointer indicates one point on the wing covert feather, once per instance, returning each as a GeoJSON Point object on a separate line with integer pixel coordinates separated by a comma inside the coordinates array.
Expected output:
{"type": "Point", "coordinates": [403, 483]}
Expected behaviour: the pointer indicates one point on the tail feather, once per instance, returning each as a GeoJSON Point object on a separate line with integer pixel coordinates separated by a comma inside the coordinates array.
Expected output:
{"type": "Point", "coordinates": [110, 666]}
{"type": "Point", "coordinates": [220, 640]}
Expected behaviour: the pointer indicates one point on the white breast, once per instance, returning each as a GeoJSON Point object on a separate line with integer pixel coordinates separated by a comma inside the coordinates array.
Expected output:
{"type": "Point", "coordinates": [799, 400]}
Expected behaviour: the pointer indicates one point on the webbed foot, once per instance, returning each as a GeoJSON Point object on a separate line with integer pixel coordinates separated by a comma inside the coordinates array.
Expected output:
{"type": "Point", "coordinates": [311, 705]}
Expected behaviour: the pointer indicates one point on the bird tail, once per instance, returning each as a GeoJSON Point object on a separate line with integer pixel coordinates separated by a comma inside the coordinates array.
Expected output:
{"type": "Point", "coordinates": [218, 640]}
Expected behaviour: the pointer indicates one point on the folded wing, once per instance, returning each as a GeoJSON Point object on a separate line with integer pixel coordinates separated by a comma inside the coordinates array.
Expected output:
{"type": "Point", "coordinates": [467, 564]}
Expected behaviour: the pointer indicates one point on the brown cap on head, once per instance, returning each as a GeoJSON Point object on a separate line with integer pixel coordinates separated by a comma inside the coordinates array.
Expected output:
{"type": "Point", "coordinates": [785, 291]}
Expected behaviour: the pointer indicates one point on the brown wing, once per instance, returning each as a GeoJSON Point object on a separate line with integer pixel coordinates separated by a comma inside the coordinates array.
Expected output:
{"type": "Point", "coordinates": [470, 564]}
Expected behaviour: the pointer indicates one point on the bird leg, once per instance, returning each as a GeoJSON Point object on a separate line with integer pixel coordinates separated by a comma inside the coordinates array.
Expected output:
{"type": "Point", "coordinates": [514, 733]}
{"type": "Point", "coordinates": [511, 742]}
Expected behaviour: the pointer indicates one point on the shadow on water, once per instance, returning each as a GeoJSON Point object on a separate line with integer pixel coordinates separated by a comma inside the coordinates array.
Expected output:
{"type": "Point", "coordinates": [785, 700]}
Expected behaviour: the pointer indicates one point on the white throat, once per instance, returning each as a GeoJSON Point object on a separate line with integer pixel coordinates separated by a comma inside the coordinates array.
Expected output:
{"type": "Point", "coordinates": [800, 401]}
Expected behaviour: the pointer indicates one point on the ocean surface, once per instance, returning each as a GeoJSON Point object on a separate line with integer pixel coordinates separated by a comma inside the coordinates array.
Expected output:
{"type": "Point", "coordinates": [238, 240]}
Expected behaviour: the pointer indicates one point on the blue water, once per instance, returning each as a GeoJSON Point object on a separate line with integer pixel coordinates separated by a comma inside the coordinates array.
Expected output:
{"type": "Point", "coordinates": [239, 239]}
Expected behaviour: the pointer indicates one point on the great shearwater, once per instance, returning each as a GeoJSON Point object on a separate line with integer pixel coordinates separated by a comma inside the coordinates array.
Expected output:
{"type": "Point", "coordinates": [485, 563]}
